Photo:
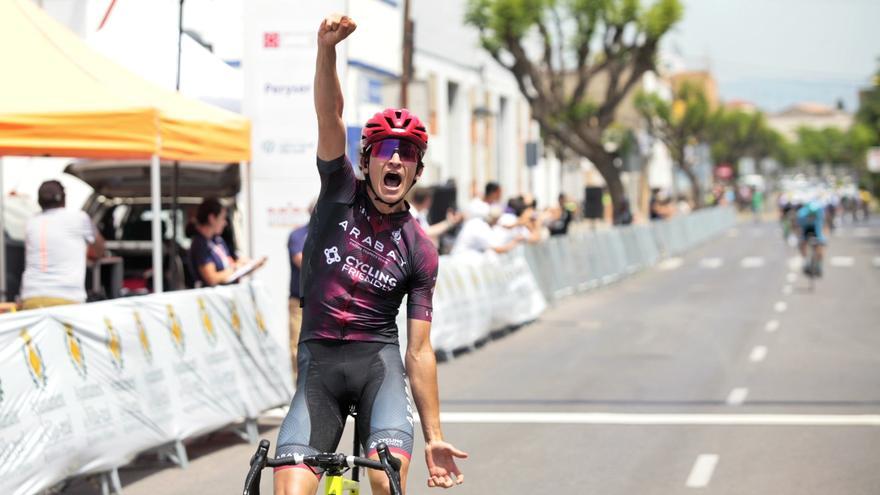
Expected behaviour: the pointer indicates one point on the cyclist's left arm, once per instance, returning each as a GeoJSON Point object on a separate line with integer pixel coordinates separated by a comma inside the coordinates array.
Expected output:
{"type": "Point", "coordinates": [421, 366]}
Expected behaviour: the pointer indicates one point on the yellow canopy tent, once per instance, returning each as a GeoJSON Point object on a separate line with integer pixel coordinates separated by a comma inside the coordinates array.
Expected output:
{"type": "Point", "coordinates": [58, 97]}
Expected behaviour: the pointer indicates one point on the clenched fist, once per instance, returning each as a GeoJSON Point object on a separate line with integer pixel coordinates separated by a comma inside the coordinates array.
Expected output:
{"type": "Point", "coordinates": [334, 29]}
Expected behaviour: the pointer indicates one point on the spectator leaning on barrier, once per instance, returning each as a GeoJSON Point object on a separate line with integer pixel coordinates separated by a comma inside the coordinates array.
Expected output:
{"type": "Point", "coordinates": [477, 234]}
{"type": "Point", "coordinates": [58, 243]}
{"type": "Point", "coordinates": [295, 245]}
{"type": "Point", "coordinates": [210, 258]}
{"type": "Point", "coordinates": [420, 204]}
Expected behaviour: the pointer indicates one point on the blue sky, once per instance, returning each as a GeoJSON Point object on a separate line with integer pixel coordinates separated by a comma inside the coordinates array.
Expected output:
{"type": "Point", "coordinates": [779, 52]}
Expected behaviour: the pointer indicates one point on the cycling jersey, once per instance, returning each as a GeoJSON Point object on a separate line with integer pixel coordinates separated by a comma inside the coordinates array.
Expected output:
{"type": "Point", "coordinates": [811, 218]}
{"type": "Point", "coordinates": [358, 264]}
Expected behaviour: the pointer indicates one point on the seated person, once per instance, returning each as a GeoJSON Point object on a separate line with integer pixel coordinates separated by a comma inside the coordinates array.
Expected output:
{"type": "Point", "coordinates": [210, 258]}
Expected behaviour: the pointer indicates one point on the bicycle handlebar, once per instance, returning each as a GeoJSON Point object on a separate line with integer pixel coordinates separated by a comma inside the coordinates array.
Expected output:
{"type": "Point", "coordinates": [261, 460]}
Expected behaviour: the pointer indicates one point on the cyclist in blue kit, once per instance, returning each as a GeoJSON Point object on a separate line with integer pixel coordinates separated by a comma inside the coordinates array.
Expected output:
{"type": "Point", "coordinates": [364, 252]}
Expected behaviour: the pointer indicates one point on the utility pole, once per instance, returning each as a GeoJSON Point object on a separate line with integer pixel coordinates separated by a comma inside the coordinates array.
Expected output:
{"type": "Point", "coordinates": [175, 180]}
{"type": "Point", "coordinates": [406, 72]}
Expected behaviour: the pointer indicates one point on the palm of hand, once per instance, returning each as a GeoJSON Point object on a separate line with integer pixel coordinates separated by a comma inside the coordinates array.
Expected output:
{"type": "Point", "coordinates": [442, 469]}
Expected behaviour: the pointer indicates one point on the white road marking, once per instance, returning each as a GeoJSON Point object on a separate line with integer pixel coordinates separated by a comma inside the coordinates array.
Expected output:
{"type": "Point", "coordinates": [758, 354]}
{"type": "Point", "coordinates": [659, 419]}
{"type": "Point", "coordinates": [877, 262]}
{"type": "Point", "coordinates": [842, 261]}
{"type": "Point", "coordinates": [757, 233]}
{"type": "Point", "coordinates": [786, 289]}
{"type": "Point", "coordinates": [772, 326]}
{"type": "Point", "coordinates": [701, 473]}
{"type": "Point", "coordinates": [711, 262]}
{"type": "Point", "coordinates": [752, 262]}
{"type": "Point", "coordinates": [733, 233]}
{"type": "Point", "coordinates": [861, 232]}
{"type": "Point", "coordinates": [791, 277]}
{"type": "Point", "coordinates": [737, 396]}
{"type": "Point", "coordinates": [795, 263]}
{"type": "Point", "coordinates": [670, 264]}
{"type": "Point", "coordinates": [780, 307]}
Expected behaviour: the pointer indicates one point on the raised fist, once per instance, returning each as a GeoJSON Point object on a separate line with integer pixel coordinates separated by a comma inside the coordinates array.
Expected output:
{"type": "Point", "coordinates": [334, 29]}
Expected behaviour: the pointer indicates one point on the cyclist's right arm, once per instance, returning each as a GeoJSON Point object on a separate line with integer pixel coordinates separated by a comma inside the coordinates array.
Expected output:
{"type": "Point", "coordinates": [328, 93]}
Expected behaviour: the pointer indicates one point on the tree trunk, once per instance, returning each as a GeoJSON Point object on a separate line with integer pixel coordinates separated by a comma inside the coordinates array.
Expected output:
{"type": "Point", "coordinates": [696, 190]}
{"type": "Point", "coordinates": [604, 163]}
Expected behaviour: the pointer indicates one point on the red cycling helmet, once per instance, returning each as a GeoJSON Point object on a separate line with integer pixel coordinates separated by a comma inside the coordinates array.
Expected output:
{"type": "Point", "coordinates": [397, 123]}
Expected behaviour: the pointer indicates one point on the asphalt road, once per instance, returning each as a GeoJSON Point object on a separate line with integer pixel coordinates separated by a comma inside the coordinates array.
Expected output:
{"type": "Point", "coordinates": [717, 372]}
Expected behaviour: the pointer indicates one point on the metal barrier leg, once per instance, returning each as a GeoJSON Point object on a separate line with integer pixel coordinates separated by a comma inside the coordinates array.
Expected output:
{"type": "Point", "coordinates": [175, 453]}
{"type": "Point", "coordinates": [248, 431]}
{"type": "Point", "coordinates": [110, 483]}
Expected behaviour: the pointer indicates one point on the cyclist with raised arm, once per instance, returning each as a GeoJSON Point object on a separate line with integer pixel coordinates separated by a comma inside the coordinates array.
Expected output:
{"type": "Point", "coordinates": [811, 222]}
{"type": "Point", "coordinates": [364, 253]}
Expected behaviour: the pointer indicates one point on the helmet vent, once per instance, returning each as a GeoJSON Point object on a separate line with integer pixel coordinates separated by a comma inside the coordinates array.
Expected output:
{"type": "Point", "coordinates": [406, 122]}
{"type": "Point", "coordinates": [390, 123]}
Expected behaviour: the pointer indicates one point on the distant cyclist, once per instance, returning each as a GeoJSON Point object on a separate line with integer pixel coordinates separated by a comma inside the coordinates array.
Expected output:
{"type": "Point", "coordinates": [811, 222]}
{"type": "Point", "coordinates": [364, 253]}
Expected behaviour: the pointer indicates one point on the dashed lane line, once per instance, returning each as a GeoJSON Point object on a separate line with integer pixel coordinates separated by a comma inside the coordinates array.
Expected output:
{"type": "Point", "coordinates": [752, 262]}
{"type": "Point", "coordinates": [758, 354]}
{"type": "Point", "coordinates": [780, 307]}
{"type": "Point", "coordinates": [711, 263]}
{"type": "Point", "coordinates": [787, 289]}
{"type": "Point", "coordinates": [772, 326]}
{"type": "Point", "coordinates": [876, 262]}
{"type": "Point", "coordinates": [791, 278]}
{"type": "Point", "coordinates": [842, 261]}
{"type": "Point", "coordinates": [737, 396]}
{"type": "Point", "coordinates": [670, 264]}
{"type": "Point", "coordinates": [701, 473]}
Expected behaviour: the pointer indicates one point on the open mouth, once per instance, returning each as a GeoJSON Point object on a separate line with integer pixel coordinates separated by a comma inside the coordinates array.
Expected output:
{"type": "Point", "coordinates": [392, 180]}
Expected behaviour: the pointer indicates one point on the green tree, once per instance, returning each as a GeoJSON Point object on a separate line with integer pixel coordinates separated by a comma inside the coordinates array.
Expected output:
{"type": "Point", "coordinates": [868, 114]}
{"type": "Point", "coordinates": [678, 124]}
{"type": "Point", "coordinates": [555, 50]}
{"type": "Point", "coordinates": [834, 146]}
{"type": "Point", "coordinates": [736, 134]}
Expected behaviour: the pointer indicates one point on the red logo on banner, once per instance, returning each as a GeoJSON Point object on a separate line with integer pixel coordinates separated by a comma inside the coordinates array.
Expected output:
{"type": "Point", "coordinates": [271, 40]}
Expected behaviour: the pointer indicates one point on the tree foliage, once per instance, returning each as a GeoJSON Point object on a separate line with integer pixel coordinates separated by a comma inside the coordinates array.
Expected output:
{"type": "Point", "coordinates": [555, 50]}
{"type": "Point", "coordinates": [834, 146]}
{"type": "Point", "coordinates": [679, 123]}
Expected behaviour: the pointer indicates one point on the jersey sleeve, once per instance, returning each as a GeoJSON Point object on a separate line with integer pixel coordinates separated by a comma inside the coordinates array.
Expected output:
{"type": "Point", "coordinates": [338, 182]}
{"type": "Point", "coordinates": [421, 292]}
{"type": "Point", "coordinates": [200, 254]}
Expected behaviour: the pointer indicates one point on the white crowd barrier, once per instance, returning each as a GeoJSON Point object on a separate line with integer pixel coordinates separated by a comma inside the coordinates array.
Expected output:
{"type": "Point", "coordinates": [482, 293]}
{"type": "Point", "coordinates": [85, 388]}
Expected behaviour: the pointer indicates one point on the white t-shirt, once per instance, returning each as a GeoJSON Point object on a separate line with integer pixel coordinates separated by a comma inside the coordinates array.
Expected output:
{"type": "Point", "coordinates": [476, 235]}
{"type": "Point", "coordinates": [55, 254]}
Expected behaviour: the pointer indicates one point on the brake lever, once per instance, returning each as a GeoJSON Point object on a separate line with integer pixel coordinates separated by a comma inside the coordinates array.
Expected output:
{"type": "Point", "coordinates": [392, 467]}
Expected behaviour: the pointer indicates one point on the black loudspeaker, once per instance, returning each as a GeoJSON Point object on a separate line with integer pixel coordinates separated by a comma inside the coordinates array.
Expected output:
{"type": "Point", "coordinates": [444, 199]}
{"type": "Point", "coordinates": [593, 203]}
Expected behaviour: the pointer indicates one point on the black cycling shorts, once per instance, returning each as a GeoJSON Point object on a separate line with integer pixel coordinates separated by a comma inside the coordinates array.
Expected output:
{"type": "Point", "coordinates": [333, 377]}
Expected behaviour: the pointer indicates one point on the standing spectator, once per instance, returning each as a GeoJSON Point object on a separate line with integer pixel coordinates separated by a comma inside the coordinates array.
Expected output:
{"type": "Point", "coordinates": [210, 258]}
{"type": "Point", "coordinates": [491, 197]}
{"type": "Point", "coordinates": [559, 224]}
{"type": "Point", "coordinates": [422, 199]}
{"type": "Point", "coordinates": [624, 214]}
{"type": "Point", "coordinates": [295, 244]}
{"type": "Point", "coordinates": [58, 243]}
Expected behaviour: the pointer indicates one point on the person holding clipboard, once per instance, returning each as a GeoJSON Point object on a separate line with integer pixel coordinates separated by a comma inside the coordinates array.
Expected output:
{"type": "Point", "coordinates": [210, 258]}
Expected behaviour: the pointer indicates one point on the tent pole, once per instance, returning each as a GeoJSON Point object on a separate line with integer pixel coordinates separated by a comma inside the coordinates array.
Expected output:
{"type": "Point", "coordinates": [2, 236]}
{"type": "Point", "coordinates": [244, 169]}
{"type": "Point", "coordinates": [156, 210]}
{"type": "Point", "coordinates": [172, 258]}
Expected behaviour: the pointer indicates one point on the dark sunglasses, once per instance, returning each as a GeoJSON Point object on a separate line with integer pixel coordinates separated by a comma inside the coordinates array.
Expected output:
{"type": "Point", "coordinates": [385, 149]}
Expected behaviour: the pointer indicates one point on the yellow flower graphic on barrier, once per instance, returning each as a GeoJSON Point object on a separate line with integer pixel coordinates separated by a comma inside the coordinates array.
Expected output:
{"type": "Point", "coordinates": [235, 319]}
{"type": "Point", "coordinates": [143, 338]}
{"type": "Point", "coordinates": [114, 344]}
{"type": "Point", "coordinates": [176, 330]}
{"type": "Point", "coordinates": [207, 324]}
{"type": "Point", "coordinates": [75, 350]}
{"type": "Point", "coordinates": [34, 360]}
{"type": "Point", "coordinates": [258, 316]}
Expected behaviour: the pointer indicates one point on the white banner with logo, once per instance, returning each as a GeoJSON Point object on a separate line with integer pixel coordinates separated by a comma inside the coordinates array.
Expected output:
{"type": "Point", "coordinates": [85, 388]}
{"type": "Point", "coordinates": [280, 47]}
